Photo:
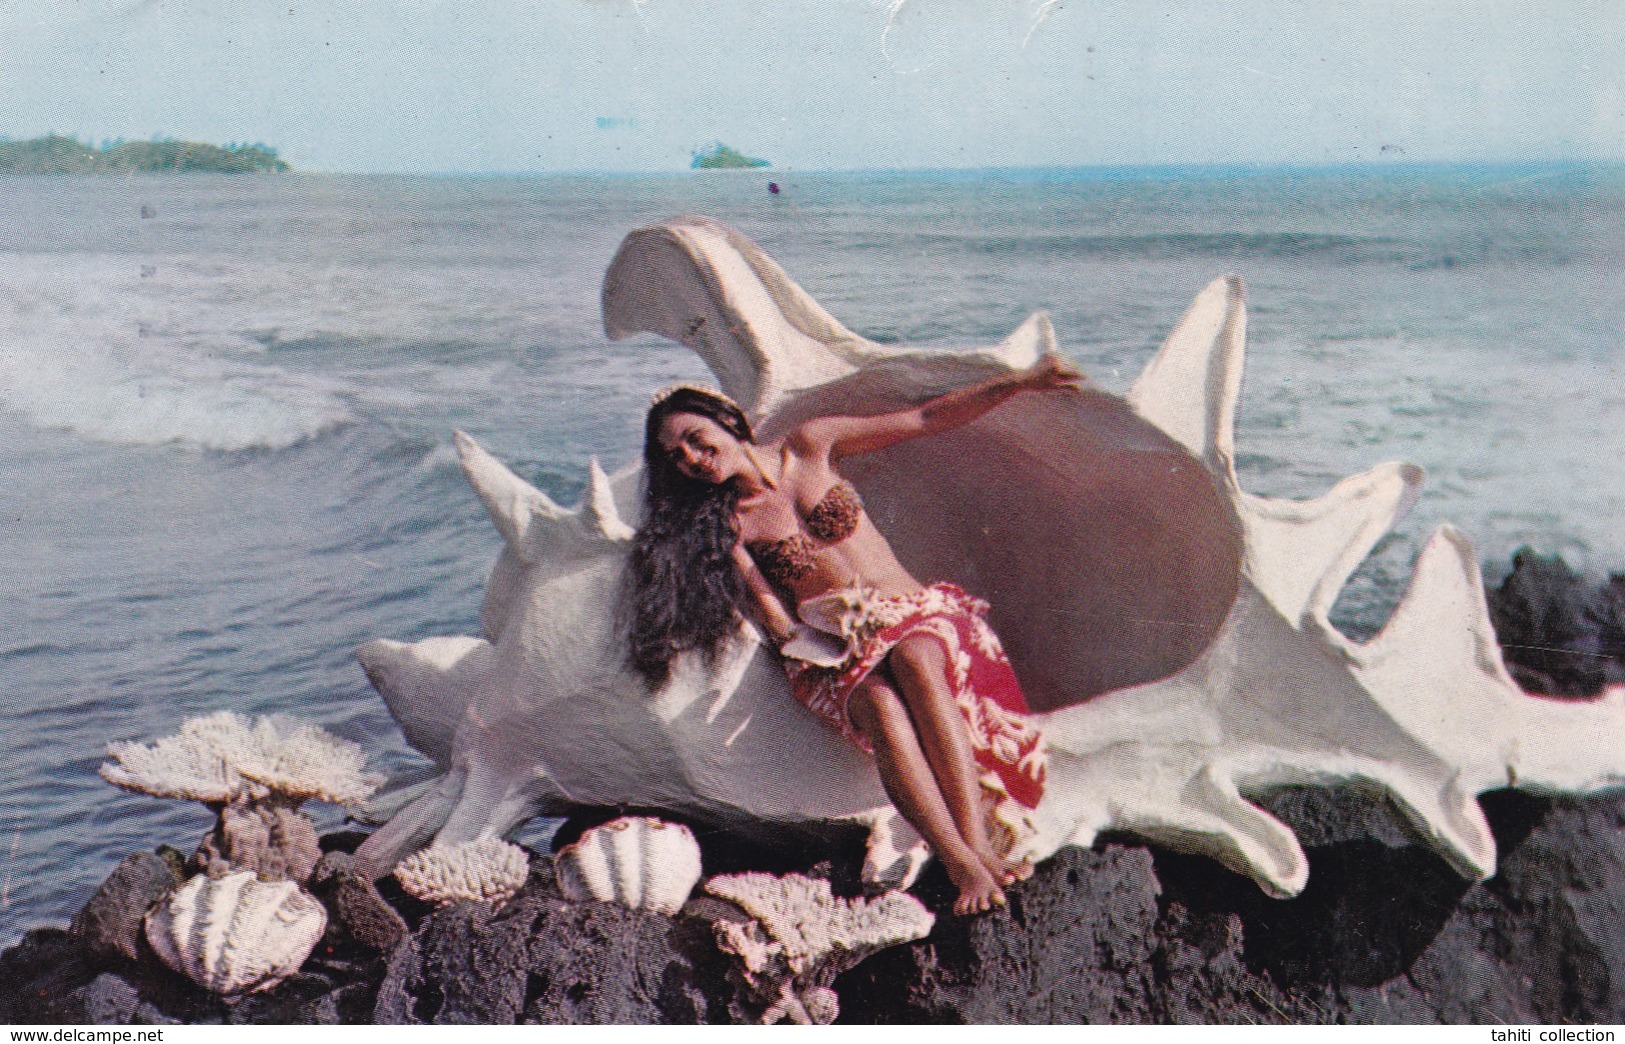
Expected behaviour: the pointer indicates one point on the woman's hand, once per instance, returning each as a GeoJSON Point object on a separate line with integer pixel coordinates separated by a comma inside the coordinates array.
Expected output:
{"type": "Point", "coordinates": [1051, 373]}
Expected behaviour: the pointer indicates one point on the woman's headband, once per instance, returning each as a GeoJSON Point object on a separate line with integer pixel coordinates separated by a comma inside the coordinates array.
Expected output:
{"type": "Point", "coordinates": [672, 389]}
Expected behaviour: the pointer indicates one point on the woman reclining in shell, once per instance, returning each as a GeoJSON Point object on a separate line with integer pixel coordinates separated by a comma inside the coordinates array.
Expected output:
{"type": "Point", "coordinates": [912, 674]}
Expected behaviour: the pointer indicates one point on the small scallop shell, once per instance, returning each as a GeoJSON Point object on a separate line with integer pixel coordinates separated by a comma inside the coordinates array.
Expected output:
{"type": "Point", "coordinates": [236, 934]}
{"type": "Point", "coordinates": [637, 861]}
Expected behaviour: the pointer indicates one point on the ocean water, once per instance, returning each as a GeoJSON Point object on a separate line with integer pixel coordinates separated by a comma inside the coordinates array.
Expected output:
{"type": "Point", "coordinates": [226, 403]}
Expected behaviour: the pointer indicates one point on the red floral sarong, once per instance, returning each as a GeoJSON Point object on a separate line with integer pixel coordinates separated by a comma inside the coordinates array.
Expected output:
{"type": "Point", "coordinates": [1008, 748]}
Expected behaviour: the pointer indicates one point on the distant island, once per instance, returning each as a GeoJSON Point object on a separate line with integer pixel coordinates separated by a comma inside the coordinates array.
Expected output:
{"type": "Point", "coordinates": [721, 157]}
{"type": "Point", "coordinates": [56, 154]}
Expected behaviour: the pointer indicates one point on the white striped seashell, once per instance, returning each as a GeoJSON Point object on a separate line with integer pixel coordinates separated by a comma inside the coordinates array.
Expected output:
{"type": "Point", "coordinates": [637, 861]}
{"type": "Point", "coordinates": [236, 934]}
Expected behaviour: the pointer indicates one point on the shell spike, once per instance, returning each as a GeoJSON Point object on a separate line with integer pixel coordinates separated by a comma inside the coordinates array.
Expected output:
{"type": "Point", "coordinates": [1190, 389]}
{"type": "Point", "coordinates": [1256, 843]}
{"type": "Point", "coordinates": [1445, 586]}
{"type": "Point", "coordinates": [1437, 664]}
{"type": "Point", "coordinates": [1027, 342]}
{"type": "Point", "coordinates": [515, 506]}
{"type": "Point", "coordinates": [1326, 539]}
{"type": "Point", "coordinates": [599, 510]}
{"type": "Point", "coordinates": [1453, 821]}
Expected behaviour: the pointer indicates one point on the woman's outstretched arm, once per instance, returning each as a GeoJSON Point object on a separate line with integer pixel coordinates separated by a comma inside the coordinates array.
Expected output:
{"type": "Point", "coordinates": [848, 436]}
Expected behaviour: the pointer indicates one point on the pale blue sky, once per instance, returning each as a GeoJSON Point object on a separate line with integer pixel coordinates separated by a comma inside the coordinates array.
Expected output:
{"type": "Point", "coordinates": [558, 85]}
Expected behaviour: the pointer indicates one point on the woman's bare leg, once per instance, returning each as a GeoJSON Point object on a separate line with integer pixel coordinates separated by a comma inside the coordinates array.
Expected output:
{"type": "Point", "coordinates": [919, 665]}
{"type": "Point", "coordinates": [880, 714]}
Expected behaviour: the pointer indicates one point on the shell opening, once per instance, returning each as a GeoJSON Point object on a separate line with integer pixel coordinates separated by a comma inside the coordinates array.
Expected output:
{"type": "Point", "coordinates": [1110, 555]}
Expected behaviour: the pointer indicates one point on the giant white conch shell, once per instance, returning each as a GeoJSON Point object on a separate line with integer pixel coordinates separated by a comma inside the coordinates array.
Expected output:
{"type": "Point", "coordinates": [1170, 629]}
{"type": "Point", "coordinates": [637, 861]}
{"type": "Point", "coordinates": [236, 934]}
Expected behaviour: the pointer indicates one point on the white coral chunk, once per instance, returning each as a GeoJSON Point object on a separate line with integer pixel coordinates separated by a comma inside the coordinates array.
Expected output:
{"type": "Point", "coordinates": [225, 757]}
{"type": "Point", "coordinates": [489, 870]}
{"type": "Point", "coordinates": [802, 937]}
{"type": "Point", "coordinates": [236, 934]}
{"type": "Point", "coordinates": [638, 861]}
{"type": "Point", "coordinates": [303, 762]}
{"type": "Point", "coordinates": [177, 767]}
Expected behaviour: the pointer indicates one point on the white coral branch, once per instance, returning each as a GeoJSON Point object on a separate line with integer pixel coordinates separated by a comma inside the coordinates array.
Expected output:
{"type": "Point", "coordinates": [802, 937]}
{"type": "Point", "coordinates": [225, 757]}
{"type": "Point", "coordinates": [302, 762]}
{"type": "Point", "coordinates": [802, 915]}
{"type": "Point", "coordinates": [486, 871]}
{"type": "Point", "coordinates": [193, 765]}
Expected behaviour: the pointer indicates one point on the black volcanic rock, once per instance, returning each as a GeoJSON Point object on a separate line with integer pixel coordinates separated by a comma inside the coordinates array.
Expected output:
{"type": "Point", "coordinates": [1559, 634]}
{"type": "Point", "coordinates": [542, 959]}
{"type": "Point", "coordinates": [47, 964]}
{"type": "Point", "coordinates": [108, 999]}
{"type": "Point", "coordinates": [1073, 944]}
{"type": "Point", "coordinates": [1388, 933]}
{"type": "Point", "coordinates": [360, 914]}
{"type": "Point", "coordinates": [110, 925]}
{"type": "Point", "coordinates": [1385, 932]}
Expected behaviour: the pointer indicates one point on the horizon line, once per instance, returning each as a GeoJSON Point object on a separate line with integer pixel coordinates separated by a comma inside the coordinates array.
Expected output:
{"type": "Point", "coordinates": [1181, 166]}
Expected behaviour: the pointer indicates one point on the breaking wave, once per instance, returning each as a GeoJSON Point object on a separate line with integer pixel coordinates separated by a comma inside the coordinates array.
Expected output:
{"type": "Point", "coordinates": [138, 387]}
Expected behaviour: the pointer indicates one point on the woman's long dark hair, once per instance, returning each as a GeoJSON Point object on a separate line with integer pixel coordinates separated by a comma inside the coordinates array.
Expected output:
{"type": "Point", "coordinates": [686, 592]}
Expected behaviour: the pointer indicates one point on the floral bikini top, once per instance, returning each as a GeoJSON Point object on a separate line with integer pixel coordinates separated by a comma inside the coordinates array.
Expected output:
{"type": "Point", "coordinates": [831, 520]}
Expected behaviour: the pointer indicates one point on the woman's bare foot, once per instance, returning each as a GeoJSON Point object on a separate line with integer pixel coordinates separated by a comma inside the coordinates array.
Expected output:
{"type": "Point", "coordinates": [979, 892]}
{"type": "Point", "coordinates": [1005, 871]}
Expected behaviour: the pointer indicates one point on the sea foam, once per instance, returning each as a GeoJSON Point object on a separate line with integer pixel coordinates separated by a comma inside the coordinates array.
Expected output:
{"type": "Point", "coordinates": [109, 363]}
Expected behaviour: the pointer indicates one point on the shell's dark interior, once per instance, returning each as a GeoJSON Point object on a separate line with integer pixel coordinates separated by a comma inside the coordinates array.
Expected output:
{"type": "Point", "coordinates": [1108, 552]}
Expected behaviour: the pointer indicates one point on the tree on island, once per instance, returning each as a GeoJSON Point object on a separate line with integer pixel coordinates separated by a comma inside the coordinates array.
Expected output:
{"type": "Point", "coordinates": [721, 157]}
{"type": "Point", "coordinates": [60, 154]}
